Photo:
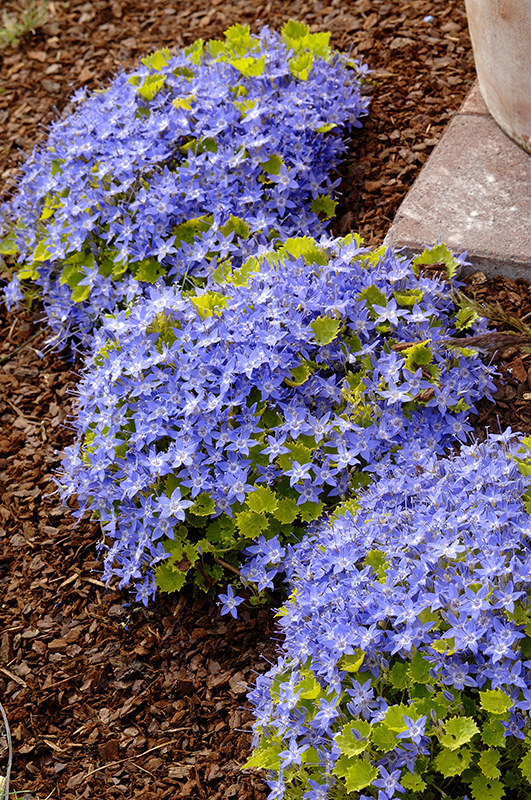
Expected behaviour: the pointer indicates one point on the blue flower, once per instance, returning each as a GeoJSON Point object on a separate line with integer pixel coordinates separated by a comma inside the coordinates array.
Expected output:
{"type": "Point", "coordinates": [230, 602]}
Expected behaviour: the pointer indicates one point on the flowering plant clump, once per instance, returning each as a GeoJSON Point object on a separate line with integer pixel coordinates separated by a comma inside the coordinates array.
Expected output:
{"type": "Point", "coordinates": [188, 162]}
{"type": "Point", "coordinates": [405, 668]}
{"type": "Point", "coordinates": [209, 418]}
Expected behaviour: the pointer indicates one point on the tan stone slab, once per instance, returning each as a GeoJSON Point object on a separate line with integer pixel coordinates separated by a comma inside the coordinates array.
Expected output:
{"type": "Point", "coordinates": [473, 193]}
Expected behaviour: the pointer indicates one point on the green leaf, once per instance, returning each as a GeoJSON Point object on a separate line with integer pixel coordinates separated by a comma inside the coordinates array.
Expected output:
{"type": "Point", "coordinates": [384, 738]}
{"type": "Point", "coordinates": [183, 102]}
{"type": "Point", "coordinates": [195, 50]}
{"type": "Point", "coordinates": [373, 297]}
{"type": "Point", "coordinates": [148, 270]}
{"type": "Point", "coordinates": [41, 253]}
{"type": "Point", "coordinates": [436, 255]}
{"type": "Point", "coordinates": [452, 762]}
{"type": "Point", "coordinates": [485, 789]}
{"type": "Point", "coordinates": [293, 30]}
{"type": "Point", "coordinates": [419, 669]}
{"type": "Point", "coordinates": [299, 375]}
{"type": "Point", "coordinates": [152, 84]}
{"type": "Point", "coordinates": [287, 510]}
{"type": "Point", "coordinates": [169, 578]}
{"type": "Point", "coordinates": [187, 231]}
{"type": "Point", "coordinates": [325, 329]}
{"type": "Point", "coordinates": [417, 356]}
{"type": "Point", "coordinates": [487, 763]}
{"type": "Point", "coordinates": [495, 701]}
{"type": "Point", "coordinates": [301, 65]}
{"type": "Point", "coordinates": [357, 772]}
{"type": "Point", "coordinates": [408, 298]}
{"type": "Point", "coordinates": [209, 303]}
{"type": "Point", "coordinates": [399, 675]}
{"type": "Point", "coordinates": [394, 717]}
{"type": "Point", "coordinates": [328, 126]}
{"type": "Point", "coordinates": [353, 662]}
{"type": "Point", "coordinates": [80, 293]}
{"type": "Point", "coordinates": [377, 560]}
{"type": "Point", "coordinates": [324, 204]}
{"type": "Point", "coordinates": [309, 688]}
{"type": "Point", "coordinates": [297, 452]}
{"type": "Point", "coordinates": [8, 246]}
{"type": "Point", "coordinates": [239, 226]}
{"type": "Point", "coordinates": [465, 318]}
{"type": "Point", "coordinates": [266, 755]}
{"type": "Point", "coordinates": [413, 782]}
{"type": "Point", "coordinates": [250, 67]}
{"type": "Point", "coordinates": [250, 524]}
{"type": "Point", "coordinates": [307, 248]}
{"type": "Point", "coordinates": [311, 511]}
{"type": "Point", "coordinates": [56, 167]}
{"type": "Point", "coordinates": [157, 60]}
{"type": "Point", "coordinates": [272, 165]}
{"type": "Point", "coordinates": [263, 500]}
{"type": "Point", "coordinates": [493, 733]}
{"type": "Point", "coordinates": [458, 731]}
{"type": "Point", "coordinates": [525, 766]}
{"type": "Point", "coordinates": [347, 741]}
{"type": "Point", "coordinates": [203, 505]}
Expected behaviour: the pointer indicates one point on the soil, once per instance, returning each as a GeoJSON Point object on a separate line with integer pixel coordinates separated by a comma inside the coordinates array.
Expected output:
{"type": "Point", "coordinates": [107, 699]}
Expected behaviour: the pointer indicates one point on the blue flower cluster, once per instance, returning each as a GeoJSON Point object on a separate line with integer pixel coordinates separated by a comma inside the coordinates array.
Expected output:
{"type": "Point", "coordinates": [284, 378]}
{"type": "Point", "coordinates": [187, 163]}
{"type": "Point", "coordinates": [426, 585]}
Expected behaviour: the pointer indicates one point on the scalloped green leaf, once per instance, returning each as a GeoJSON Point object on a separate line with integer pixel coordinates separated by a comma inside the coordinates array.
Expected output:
{"type": "Point", "coordinates": [203, 505]}
{"type": "Point", "coordinates": [325, 329]}
{"type": "Point", "coordinates": [458, 731]}
{"type": "Point", "coordinates": [324, 205]}
{"type": "Point", "coordinates": [452, 762]}
{"type": "Point", "coordinates": [157, 60]}
{"type": "Point", "coordinates": [439, 254]}
{"type": "Point", "coordinates": [487, 763]}
{"type": "Point", "coordinates": [394, 717]}
{"type": "Point", "coordinates": [250, 524]}
{"type": "Point", "coordinates": [357, 772]}
{"type": "Point", "coordinates": [486, 789]}
{"type": "Point", "coordinates": [239, 226]}
{"type": "Point", "coordinates": [495, 701]}
{"type": "Point", "coordinates": [412, 782]}
{"type": "Point", "coordinates": [286, 510]}
{"type": "Point", "coordinates": [272, 165]}
{"type": "Point", "coordinates": [351, 745]}
{"type": "Point", "coordinates": [250, 67]}
{"type": "Point", "coordinates": [525, 767]}
{"type": "Point", "coordinates": [263, 500]}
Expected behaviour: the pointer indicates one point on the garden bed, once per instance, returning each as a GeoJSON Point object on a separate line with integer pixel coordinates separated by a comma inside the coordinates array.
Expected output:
{"type": "Point", "coordinates": [109, 700]}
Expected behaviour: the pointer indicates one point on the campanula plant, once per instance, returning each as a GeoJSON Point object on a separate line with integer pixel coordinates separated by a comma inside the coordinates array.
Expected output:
{"type": "Point", "coordinates": [208, 418]}
{"type": "Point", "coordinates": [405, 670]}
{"type": "Point", "coordinates": [190, 161]}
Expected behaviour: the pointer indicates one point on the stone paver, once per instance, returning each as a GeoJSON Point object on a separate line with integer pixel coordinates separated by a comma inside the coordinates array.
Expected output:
{"type": "Point", "coordinates": [474, 194]}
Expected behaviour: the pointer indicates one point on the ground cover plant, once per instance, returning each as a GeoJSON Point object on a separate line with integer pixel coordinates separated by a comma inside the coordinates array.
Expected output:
{"type": "Point", "coordinates": [143, 702]}
{"type": "Point", "coordinates": [405, 671]}
{"type": "Point", "coordinates": [210, 417]}
{"type": "Point", "coordinates": [190, 161]}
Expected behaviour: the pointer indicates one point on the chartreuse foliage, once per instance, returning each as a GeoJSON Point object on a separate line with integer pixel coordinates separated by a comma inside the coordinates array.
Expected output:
{"type": "Point", "coordinates": [405, 669]}
{"type": "Point", "coordinates": [181, 167]}
{"type": "Point", "coordinates": [243, 411]}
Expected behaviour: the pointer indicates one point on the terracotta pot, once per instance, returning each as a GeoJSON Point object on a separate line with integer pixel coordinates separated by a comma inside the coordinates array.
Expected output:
{"type": "Point", "coordinates": [501, 38]}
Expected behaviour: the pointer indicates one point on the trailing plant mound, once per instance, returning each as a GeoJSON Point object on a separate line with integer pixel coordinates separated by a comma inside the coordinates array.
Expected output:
{"type": "Point", "coordinates": [405, 666]}
{"type": "Point", "coordinates": [210, 417]}
{"type": "Point", "coordinates": [186, 163]}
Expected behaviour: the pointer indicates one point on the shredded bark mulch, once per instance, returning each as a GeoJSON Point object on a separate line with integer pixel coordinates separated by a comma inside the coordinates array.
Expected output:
{"type": "Point", "coordinates": [107, 699]}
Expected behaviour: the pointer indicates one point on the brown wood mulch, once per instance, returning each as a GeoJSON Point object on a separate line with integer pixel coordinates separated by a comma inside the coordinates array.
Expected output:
{"type": "Point", "coordinates": [109, 700]}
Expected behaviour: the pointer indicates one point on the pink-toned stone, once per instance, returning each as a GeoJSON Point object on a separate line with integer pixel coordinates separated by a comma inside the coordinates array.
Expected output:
{"type": "Point", "coordinates": [473, 193]}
